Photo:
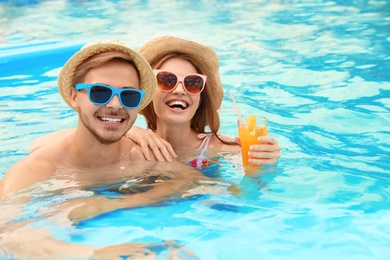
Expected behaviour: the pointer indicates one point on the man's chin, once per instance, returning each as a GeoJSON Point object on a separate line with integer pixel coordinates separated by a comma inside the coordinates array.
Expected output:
{"type": "Point", "coordinates": [108, 141]}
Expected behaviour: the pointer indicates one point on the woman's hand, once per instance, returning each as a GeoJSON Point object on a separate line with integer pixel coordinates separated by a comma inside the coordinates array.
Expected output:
{"type": "Point", "coordinates": [161, 149]}
{"type": "Point", "coordinates": [266, 153]}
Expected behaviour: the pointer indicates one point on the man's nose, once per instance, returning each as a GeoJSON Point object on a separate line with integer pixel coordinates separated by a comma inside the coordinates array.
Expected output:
{"type": "Point", "coordinates": [115, 102]}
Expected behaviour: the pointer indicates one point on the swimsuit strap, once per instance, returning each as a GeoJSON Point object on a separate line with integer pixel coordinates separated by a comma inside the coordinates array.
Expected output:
{"type": "Point", "coordinates": [205, 143]}
{"type": "Point", "coordinates": [201, 162]}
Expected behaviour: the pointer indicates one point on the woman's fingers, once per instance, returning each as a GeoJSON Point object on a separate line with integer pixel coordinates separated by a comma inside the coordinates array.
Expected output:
{"type": "Point", "coordinates": [167, 150]}
{"type": "Point", "coordinates": [161, 149]}
{"type": "Point", "coordinates": [267, 139]}
{"type": "Point", "coordinates": [149, 141]}
{"type": "Point", "coordinates": [145, 148]}
{"type": "Point", "coordinates": [265, 148]}
{"type": "Point", "coordinates": [266, 153]}
{"type": "Point", "coordinates": [262, 161]}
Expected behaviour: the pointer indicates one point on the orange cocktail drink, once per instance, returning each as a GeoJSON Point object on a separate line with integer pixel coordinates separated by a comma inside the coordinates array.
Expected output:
{"type": "Point", "coordinates": [248, 130]}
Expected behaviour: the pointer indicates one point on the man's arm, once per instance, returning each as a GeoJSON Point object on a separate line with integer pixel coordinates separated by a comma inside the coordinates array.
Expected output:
{"type": "Point", "coordinates": [23, 242]}
{"type": "Point", "coordinates": [176, 178]}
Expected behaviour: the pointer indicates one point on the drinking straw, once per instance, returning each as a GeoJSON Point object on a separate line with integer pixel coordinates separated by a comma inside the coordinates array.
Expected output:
{"type": "Point", "coordinates": [237, 109]}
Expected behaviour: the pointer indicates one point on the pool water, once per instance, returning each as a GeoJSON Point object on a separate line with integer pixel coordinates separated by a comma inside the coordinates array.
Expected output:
{"type": "Point", "coordinates": [319, 70]}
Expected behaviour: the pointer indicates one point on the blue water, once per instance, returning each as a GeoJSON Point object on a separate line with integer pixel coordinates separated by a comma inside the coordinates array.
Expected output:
{"type": "Point", "coordinates": [319, 70]}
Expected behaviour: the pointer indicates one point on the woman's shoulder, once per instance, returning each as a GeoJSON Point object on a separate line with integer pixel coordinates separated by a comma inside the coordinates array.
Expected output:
{"type": "Point", "coordinates": [229, 146]}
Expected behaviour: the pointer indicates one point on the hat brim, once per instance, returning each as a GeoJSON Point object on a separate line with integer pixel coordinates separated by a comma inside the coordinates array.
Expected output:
{"type": "Point", "coordinates": [148, 80]}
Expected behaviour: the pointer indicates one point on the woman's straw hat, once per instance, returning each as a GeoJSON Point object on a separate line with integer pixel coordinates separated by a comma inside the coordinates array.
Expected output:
{"type": "Point", "coordinates": [148, 80]}
{"type": "Point", "coordinates": [203, 57]}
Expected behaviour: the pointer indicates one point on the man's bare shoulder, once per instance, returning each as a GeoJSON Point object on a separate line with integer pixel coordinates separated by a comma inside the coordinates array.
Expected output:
{"type": "Point", "coordinates": [25, 173]}
{"type": "Point", "coordinates": [50, 138]}
{"type": "Point", "coordinates": [131, 151]}
{"type": "Point", "coordinates": [37, 166]}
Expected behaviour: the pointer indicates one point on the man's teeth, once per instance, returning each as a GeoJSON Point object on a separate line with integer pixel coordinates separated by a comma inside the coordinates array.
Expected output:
{"type": "Point", "coordinates": [111, 120]}
{"type": "Point", "coordinates": [177, 103]}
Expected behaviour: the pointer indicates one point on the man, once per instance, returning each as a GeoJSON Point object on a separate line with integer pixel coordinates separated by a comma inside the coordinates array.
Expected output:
{"type": "Point", "coordinates": [106, 83]}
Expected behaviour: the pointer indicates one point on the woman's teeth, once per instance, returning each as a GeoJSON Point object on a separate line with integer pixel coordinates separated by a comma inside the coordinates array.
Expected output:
{"type": "Point", "coordinates": [178, 104]}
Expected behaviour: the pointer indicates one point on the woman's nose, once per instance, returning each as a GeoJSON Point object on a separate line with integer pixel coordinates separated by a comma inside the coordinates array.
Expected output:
{"type": "Point", "coordinates": [179, 89]}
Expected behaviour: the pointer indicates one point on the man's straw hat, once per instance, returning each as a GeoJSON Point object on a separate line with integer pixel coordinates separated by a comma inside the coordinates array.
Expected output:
{"type": "Point", "coordinates": [148, 80]}
{"type": "Point", "coordinates": [203, 57]}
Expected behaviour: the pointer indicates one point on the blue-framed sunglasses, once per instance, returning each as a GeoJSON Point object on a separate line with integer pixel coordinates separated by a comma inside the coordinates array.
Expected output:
{"type": "Point", "coordinates": [101, 94]}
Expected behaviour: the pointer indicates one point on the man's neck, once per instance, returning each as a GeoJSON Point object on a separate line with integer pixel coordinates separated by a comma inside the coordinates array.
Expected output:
{"type": "Point", "coordinates": [87, 151]}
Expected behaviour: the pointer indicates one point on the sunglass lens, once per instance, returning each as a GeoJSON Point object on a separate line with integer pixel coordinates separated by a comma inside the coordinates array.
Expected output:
{"type": "Point", "coordinates": [166, 81]}
{"type": "Point", "coordinates": [130, 98]}
{"type": "Point", "coordinates": [100, 94]}
{"type": "Point", "coordinates": [193, 84]}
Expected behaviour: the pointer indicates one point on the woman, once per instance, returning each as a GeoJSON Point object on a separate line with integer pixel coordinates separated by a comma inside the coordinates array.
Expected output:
{"type": "Point", "coordinates": [188, 96]}
{"type": "Point", "coordinates": [185, 104]}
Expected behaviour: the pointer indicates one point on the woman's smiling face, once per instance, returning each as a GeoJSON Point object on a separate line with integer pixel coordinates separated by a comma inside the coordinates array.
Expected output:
{"type": "Point", "coordinates": [177, 106]}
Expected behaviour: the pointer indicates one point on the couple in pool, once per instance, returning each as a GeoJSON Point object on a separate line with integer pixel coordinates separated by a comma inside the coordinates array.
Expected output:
{"type": "Point", "coordinates": [177, 112]}
{"type": "Point", "coordinates": [107, 84]}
